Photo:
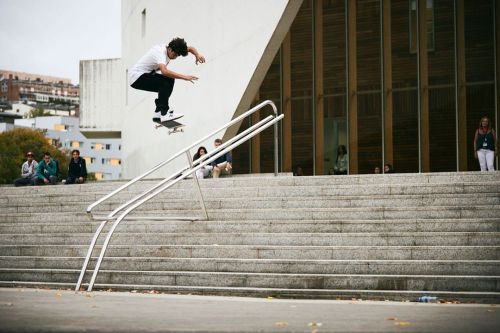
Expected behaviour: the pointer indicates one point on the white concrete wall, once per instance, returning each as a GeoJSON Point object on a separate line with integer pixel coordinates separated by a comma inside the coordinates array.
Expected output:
{"type": "Point", "coordinates": [6, 127]}
{"type": "Point", "coordinates": [239, 39]}
{"type": "Point", "coordinates": [102, 95]}
{"type": "Point", "coordinates": [20, 109]}
{"type": "Point", "coordinates": [48, 123]}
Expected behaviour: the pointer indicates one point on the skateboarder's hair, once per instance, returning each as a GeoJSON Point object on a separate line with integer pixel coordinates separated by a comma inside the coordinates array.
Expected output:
{"type": "Point", "coordinates": [179, 46]}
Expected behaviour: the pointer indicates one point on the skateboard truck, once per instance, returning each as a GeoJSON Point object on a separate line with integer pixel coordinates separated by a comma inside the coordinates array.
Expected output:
{"type": "Point", "coordinates": [172, 125]}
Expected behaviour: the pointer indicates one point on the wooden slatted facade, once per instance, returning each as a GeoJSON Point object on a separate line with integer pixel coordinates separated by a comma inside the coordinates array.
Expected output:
{"type": "Point", "coordinates": [388, 100]}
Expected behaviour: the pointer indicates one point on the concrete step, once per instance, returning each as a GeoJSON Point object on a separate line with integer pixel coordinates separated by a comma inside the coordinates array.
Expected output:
{"type": "Point", "coordinates": [283, 180]}
{"type": "Point", "coordinates": [338, 294]}
{"type": "Point", "coordinates": [381, 201]}
{"type": "Point", "coordinates": [463, 297]}
{"type": "Point", "coordinates": [349, 213]}
{"type": "Point", "coordinates": [292, 226]}
{"type": "Point", "coordinates": [362, 252]}
{"type": "Point", "coordinates": [307, 239]}
{"type": "Point", "coordinates": [264, 190]}
{"type": "Point", "coordinates": [263, 280]}
{"type": "Point", "coordinates": [385, 267]}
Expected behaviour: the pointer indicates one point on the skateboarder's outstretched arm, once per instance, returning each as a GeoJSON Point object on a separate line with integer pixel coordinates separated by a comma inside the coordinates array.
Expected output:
{"type": "Point", "coordinates": [199, 57]}
{"type": "Point", "coordinates": [174, 75]}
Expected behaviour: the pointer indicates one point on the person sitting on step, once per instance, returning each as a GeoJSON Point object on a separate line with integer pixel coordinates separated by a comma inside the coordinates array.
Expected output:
{"type": "Point", "coordinates": [28, 171]}
{"type": "Point", "coordinates": [223, 164]}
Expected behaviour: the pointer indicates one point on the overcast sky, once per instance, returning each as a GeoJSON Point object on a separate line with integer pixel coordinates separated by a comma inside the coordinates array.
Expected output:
{"type": "Point", "coordinates": [50, 37]}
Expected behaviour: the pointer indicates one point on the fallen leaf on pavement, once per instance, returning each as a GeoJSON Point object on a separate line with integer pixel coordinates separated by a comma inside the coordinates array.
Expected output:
{"type": "Point", "coordinates": [391, 318]}
{"type": "Point", "coordinates": [281, 324]}
{"type": "Point", "coordinates": [314, 324]}
{"type": "Point", "coordinates": [402, 323]}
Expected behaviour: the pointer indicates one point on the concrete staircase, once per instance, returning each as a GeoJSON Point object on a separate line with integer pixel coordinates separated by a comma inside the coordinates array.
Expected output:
{"type": "Point", "coordinates": [395, 236]}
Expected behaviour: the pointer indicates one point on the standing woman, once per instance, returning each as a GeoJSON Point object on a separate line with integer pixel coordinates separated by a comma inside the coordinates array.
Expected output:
{"type": "Point", "coordinates": [485, 145]}
{"type": "Point", "coordinates": [340, 167]}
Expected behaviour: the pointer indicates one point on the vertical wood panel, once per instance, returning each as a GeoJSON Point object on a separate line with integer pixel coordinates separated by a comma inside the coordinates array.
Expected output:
{"type": "Point", "coordinates": [463, 145]}
{"type": "Point", "coordinates": [387, 58]}
{"type": "Point", "coordinates": [352, 87]}
{"type": "Point", "coordinates": [255, 142]}
{"type": "Point", "coordinates": [497, 74]}
{"type": "Point", "coordinates": [423, 86]}
{"type": "Point", "coordinates": [319, 90]}
{"type": "Point", "coordinates": [287, 105]}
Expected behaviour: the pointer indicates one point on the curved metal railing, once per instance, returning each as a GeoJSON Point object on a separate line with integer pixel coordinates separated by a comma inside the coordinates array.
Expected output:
{"type": "Point", "coordinates": [179, 175]}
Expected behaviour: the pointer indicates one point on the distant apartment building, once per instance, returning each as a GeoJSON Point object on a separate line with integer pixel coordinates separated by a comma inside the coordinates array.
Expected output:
{"type": "Point", "coordinates": [7, 121]}
{"type": "Point", "coordinates": [54, 94]}
{"type": "Point", "coordinates": [102, 156]}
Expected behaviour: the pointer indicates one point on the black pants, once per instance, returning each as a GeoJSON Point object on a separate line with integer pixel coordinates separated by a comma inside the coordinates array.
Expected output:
{"type": "Point", "coordinates": [52, 180]}
{"type": "Point", "coordinates": [24, 181]}
{"type": "Point", "coordinates": [161, 84]}
{"type": "Point", "coordinates": [74, 180]}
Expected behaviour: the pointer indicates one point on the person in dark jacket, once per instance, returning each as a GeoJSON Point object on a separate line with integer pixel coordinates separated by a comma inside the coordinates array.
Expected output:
{"type": "Point", "coordinates": [223, 164]}
{"type": "Point", "coordinates": [77, 170]}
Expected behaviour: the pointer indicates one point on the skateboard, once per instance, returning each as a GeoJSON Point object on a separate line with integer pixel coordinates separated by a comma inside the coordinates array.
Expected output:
{"type": "Point", "coordinates": [172, 125]}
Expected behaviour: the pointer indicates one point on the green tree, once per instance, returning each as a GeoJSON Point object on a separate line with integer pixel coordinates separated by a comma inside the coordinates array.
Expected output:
{"type": "Point", "coordinates": [38, 112]}
{"type": "Point", "coordinates": [16, 143]}
{"type": "Point", "coordinates": [91, 176]}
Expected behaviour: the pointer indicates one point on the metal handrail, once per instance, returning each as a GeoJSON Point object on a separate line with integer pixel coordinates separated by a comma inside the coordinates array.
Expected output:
{"type": "Point", "coordinates": [158, 191]}
{"type": "Point", "coordinates": [138, 197]}
{"type": "Point", "coordinates": [232, 122]}
{"type": "Point", "coordinates": [179, 175]}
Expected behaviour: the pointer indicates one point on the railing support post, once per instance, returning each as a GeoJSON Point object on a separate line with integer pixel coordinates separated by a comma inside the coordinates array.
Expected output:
{"type": "Point", "coordinates": [197, 185]}
{"type": "Point", "coordinates": [275, 149]}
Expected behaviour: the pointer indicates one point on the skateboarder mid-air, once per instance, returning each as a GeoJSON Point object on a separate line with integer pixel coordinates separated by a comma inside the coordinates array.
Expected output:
{"type": "Point", "coordinates": [143, 75]}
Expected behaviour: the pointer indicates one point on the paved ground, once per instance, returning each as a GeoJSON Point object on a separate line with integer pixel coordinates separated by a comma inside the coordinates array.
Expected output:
{"type": "Point", "coordinates": [29, 310]}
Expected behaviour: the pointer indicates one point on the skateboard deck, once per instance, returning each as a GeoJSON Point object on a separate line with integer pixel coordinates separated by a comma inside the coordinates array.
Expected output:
{"type": "Point", "coordinates": [172, 125]}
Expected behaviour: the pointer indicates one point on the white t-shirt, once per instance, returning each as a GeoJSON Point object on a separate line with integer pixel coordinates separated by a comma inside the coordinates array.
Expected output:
{"type": "Point", "coordinates": [149, 62]}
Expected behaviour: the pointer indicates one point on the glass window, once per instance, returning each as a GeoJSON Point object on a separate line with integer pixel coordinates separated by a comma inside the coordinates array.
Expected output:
{"type": "Point", "coordinates": [413, 25]}
{"type": "Point", "coordinates": [479, 69]}
{"type": "Point", "coordinates": [404, 146]}
{"type": "Point", "coordinates": [442, 109]}
{"type": "Point", "coordinates": [369, 93]}
{"type": "Point", "coordinates": [334, 81]}
{"type": "Point", "coordinates": [301, 38]}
